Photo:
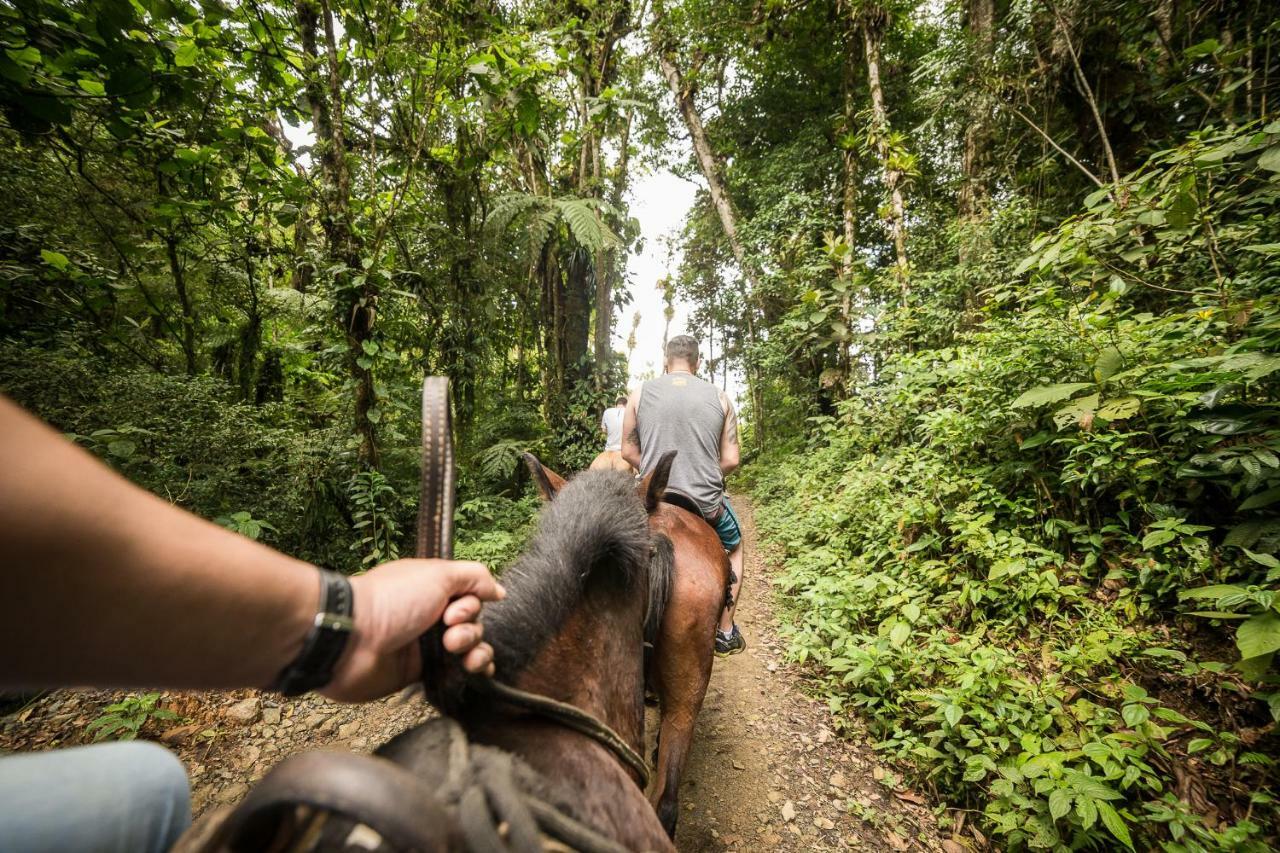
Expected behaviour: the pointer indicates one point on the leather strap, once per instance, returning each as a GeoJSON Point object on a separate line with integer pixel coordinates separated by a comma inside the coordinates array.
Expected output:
{"type": "Point", "coordinates": [362, 788]}
{"type": "Point", "coordinates": [439, 480]}
{"type": "Point", "coordinates": [324, 644]}
{"type": "Point", "coordinates": [435, 539]}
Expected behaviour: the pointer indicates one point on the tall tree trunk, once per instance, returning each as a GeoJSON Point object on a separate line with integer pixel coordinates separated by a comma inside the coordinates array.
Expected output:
{"type": "Point", "coordinates": [710, 167]}
{"type": "Point", "coordinates": [848, 217]}
{"type": "Point", "coordinates": [356, 294]}
{"type": "Point", "coordinates": [973, 190]}
{"type": "Point", "coordinates": [606, 270]}
{"type": "Point", "coordinates": [179, 274]}
{"type": "Point", "coordinates": [873, 26]}
{"type": "Point", "coordinates": [552, 281]}
{"type": "Point", "coordinates": [707, 161]}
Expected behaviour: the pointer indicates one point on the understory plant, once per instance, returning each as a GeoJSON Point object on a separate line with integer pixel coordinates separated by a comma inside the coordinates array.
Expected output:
{"type": "Point", "coordinates": [1022, 558]}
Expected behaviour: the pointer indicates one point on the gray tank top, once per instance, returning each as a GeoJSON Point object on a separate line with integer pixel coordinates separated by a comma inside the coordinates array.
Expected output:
{"type": "Point", "coordinates": [678, 411]}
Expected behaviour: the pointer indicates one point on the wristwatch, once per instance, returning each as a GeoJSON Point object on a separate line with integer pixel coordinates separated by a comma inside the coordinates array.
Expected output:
{"type": "Point", "coordinates": [325, 642]}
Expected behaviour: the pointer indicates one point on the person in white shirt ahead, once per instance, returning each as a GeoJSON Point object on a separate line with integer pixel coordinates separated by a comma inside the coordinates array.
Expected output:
{"type": "Point", "coordinates": [611, 426]}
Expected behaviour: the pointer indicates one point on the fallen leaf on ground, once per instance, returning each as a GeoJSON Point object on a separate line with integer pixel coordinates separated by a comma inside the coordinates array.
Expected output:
{"type": "Point", "coordinates": [896, 841]}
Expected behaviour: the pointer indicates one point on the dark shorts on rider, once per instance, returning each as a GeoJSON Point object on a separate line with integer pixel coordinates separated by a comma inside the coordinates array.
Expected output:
{"type": "Point", "coordinates": [726, 526]}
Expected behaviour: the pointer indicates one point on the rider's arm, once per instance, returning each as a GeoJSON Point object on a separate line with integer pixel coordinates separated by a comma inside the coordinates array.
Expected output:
{"type": "Point", "coordinates": [729, 451]}
{"type": "Point", "coordinates": [108, 585]}
{"type": "Point", "coordinates": [630, 433]}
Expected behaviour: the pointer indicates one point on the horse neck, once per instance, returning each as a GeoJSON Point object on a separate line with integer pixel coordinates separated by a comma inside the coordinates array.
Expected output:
{"type": "Point", "coordinates": [596, 661]}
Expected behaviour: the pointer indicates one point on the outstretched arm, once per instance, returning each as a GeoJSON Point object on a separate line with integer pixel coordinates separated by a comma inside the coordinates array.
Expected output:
{"type": "Point", "coordinates": [109, 585]}
{"type": "Point", "coordinates": [730, 453]}
{"type": "Point", "coordinates": [630, 431]}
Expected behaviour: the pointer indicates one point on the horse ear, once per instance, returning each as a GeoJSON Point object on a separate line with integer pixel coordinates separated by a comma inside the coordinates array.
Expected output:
{"type": "Point", "coordinates": [654, 484]}
{"type": "Point", "coordinates": [549, 482]}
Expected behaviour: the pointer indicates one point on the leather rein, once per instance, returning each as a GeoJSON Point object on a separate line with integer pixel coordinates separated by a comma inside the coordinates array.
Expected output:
{"type": "Point", "coordinates": [435, 540]}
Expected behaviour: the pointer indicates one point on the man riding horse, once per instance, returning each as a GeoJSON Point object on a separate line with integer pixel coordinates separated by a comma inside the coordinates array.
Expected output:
{"type": "Point", "coordinates": [678, 411]}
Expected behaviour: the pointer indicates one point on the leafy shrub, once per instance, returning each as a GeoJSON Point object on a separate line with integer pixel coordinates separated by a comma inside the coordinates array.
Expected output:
{"type": "Point", "coordinates": [987, 550]}
{"type": "Point", "coordinates": [124, 719]}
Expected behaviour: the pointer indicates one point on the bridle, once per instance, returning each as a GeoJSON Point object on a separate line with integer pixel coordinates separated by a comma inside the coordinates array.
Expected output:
{"type": "Point", "coordinates": [435, 540]}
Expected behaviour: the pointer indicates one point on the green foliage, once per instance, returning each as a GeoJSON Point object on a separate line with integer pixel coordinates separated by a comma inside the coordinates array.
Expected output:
{"type": "Point", "coordinates": [245, 524]}
{"type": "Point", "coordinates": [493, 529]}
{"type": "Point", "coordinates": [123, 720]}
{"type": "Point", "coordinates": [987, 550]}
{"type": "Point", "coordinates": [373, 502]}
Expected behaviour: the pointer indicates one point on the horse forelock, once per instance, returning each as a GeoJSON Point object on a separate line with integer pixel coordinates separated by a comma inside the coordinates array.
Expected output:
{"type": "Point", "coordinates": [595, 524]}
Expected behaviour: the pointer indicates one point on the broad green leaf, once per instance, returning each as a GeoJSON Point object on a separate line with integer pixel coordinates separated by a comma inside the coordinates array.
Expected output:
{"type": "Point", "coordinates": [899, 634]}
{"type": "Point", "coordinates": [1115, 824]}
{"type": "Point", "coordinates": [186, 54]}
{"type": "Point", "coordinates": [1270, 159]}
{"type": "Point", "coordinates": [1135, 714]}
{"type": "Point", "coordinates": [1109, 362]}
{"type": "Point", "coordinates": [1120, 408]}
{"type": "Point", "coordinates": [1261, 499]}
{"type": "Point", "coordinates": [1079, 411]}
{"type": "Point", "coordinates": [57, 260]}
{"type": "Point", "coordinates": [122, 448]}
{"type": "Point", "coordinates": [1200, 49]}
{"type": "Point", "coordinates": [1156, 538]}
{"type": "Point", "coordinates": [1087, 811]}
{"type": "Point", "coordinates": [1043, 395]}
{"type": "Point", "coordinates": [1059, 803]}
{"type": "Point", "coordinates": [1262, 559]}
{"type": "Point", "coordinates": [1259, 635]}
{"type": "Point", "coordinates": [1217, 592]}
{"type": "Point", "coordinates": [1255, 668]}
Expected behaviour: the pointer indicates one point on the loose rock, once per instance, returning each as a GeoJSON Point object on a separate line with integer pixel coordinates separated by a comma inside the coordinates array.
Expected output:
{"type": "Point", "coordinates": [245, 711]}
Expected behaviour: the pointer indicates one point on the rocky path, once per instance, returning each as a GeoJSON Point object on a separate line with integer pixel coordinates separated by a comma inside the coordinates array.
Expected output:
{"type": "Point", "coordinates": [226, 740]}
{"type": "Point", "coordinates": [766, 772]}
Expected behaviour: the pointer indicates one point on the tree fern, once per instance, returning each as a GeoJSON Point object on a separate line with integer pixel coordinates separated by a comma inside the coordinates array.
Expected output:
{"type": "Point", "coordinates": [583, 216]}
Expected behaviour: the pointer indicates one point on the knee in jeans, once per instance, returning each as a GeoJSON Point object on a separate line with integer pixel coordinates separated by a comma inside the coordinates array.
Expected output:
{"type": "Point", "coordinates": [156, 774]}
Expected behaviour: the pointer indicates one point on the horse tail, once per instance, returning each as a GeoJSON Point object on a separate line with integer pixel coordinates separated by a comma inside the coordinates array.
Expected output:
{"type": "Point", "coordinates": [662, 565]}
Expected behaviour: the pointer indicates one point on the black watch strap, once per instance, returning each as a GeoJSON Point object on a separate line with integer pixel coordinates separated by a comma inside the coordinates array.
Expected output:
{"type": "Point", "coordinates": [327, 639]}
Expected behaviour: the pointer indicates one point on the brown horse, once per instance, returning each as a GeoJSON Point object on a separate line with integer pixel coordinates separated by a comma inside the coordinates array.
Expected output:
{"type": "Point", "coordinates": [680, 666]}
{"type": "Point", "coordinates": [571, 630]}
{"type": "Point", "coordinates": [611, 460]}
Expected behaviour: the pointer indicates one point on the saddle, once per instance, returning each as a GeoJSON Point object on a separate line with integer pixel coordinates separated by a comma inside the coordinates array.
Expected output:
{"type": "Point", "coordinates": [460, 796]}
{"type": "Point", "coordinates": [684, 502]}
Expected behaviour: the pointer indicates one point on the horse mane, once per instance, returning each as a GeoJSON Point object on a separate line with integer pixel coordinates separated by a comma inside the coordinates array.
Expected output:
{"type": "Point", "coordinates": [595, 524]}
{"type": "Point", "coordinates": [594, 530]}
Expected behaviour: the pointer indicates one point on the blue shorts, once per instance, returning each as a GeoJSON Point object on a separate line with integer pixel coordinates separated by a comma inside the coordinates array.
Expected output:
{"type": "Point", "coordinates": [727, 527]}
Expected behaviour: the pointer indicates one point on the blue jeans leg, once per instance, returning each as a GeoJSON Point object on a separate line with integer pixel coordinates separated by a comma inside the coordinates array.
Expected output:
{"type": "Point", "coordinates": [107, 798]}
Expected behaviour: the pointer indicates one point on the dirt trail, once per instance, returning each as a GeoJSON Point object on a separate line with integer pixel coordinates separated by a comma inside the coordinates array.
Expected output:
{"type": "Point", "coordinates": [767, 772]}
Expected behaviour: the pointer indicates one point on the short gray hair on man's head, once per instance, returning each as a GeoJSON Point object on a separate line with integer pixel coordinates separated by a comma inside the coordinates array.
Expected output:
{"type": "Point", "coordinates": [682, 348]}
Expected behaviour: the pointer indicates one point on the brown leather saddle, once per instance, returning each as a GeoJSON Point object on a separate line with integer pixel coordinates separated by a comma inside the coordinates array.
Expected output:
{"type": "Point", "coordinates": [460, 796]}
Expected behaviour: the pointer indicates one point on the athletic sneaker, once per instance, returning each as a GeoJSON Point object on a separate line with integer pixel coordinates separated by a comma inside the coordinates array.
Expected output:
{"type": "Point", "coordinates": [729, 644]}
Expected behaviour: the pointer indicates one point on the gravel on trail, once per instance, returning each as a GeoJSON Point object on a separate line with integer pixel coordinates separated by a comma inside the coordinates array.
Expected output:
{"type": "Point", "coordinates": [766, 772]}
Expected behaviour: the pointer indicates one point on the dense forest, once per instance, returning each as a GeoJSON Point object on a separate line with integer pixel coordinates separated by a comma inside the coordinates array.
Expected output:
{"type": "Point", "coordinates": [998, 282]}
